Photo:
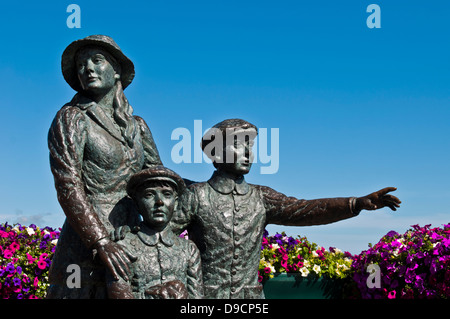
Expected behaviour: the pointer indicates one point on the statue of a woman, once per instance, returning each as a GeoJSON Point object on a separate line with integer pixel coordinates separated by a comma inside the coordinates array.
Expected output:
{"type": "Point", "coordinates": [95, 145]}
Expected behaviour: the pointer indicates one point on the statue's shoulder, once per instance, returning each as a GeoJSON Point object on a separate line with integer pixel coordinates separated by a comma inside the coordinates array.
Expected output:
{"type": "Point", "coordinates": [69, 117]}
{"type": "Point", "coordinates": [196, 187]}
{"type": "Point", "coordinates": [187, 245]}
{"type": "Point", "coordinates": [140, 121]}
{"type": "Point", "coordinates": [131, 242]}
{"type": "Point", "coordinates": [72, 110]}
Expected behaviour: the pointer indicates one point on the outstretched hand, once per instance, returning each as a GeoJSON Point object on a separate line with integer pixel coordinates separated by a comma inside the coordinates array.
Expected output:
{"type": "Point", "coordinates": [378, 199]}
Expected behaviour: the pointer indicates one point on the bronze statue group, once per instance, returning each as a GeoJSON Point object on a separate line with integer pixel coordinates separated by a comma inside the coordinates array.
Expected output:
{"type": "Point", "coordinates": [125, 210]}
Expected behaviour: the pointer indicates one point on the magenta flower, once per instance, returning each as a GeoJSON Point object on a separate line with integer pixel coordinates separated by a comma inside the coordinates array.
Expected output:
{"type": "Point", "coordinates": [30, 258]}
{"type": "Point", "coordinates": [14, 246]}
{"type": "Point", "coordinates": [43, 256]}
{"type": "Point", "coordinates": [41, 264]}
{"type": "Point", "coordinates": [7, 253]}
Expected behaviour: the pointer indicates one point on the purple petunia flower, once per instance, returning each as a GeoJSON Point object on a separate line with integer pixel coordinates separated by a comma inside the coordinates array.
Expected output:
{"type": "Point", "coordinates": [391, 234]}
{"type": "Point", "coordinates": [16, 281]}
{"type": "Point", "coordinates": [10, 268]}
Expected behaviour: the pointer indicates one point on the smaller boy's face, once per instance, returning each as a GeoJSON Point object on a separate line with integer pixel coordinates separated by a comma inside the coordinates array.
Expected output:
{"type": "Point", "coordinates": [156, 205]}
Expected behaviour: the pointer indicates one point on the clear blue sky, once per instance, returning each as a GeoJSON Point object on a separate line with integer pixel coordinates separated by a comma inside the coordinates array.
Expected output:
{"type": "Point", "coordinates": [357, 109]}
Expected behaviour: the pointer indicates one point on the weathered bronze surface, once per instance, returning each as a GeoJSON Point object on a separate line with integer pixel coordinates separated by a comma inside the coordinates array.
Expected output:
{"type": "Point", "coordinates": [95, 145]}
{"type": "Point", "coordinates": [168, 266]}
{"type": "Point", "coordinates": [226, 217]}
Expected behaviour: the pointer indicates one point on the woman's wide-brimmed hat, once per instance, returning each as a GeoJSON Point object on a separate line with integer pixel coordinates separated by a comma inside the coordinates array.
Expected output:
{"type": "Point", "coordinates": [68, 63]}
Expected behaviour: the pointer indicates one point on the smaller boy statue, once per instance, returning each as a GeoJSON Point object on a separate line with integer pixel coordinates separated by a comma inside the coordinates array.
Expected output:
{"type": "Point", "coordinates": [167, 266]}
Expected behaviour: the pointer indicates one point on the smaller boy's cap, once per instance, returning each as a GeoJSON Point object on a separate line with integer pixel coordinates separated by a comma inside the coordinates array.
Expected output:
{"type": "Point", "coordinates": [156, 173]}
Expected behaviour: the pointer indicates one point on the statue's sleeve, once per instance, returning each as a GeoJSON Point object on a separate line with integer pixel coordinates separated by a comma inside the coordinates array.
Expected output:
{"type": "Point", "coordinates": [194, 273]}
{"type": "Point", "coordinates": [186, 210]}
{"type": "Point", "coordinates": [290, 211]}
{"type": "Point", "coordinates": [66, 141]}
{"type": "Point", "coordinates": [150, 150]}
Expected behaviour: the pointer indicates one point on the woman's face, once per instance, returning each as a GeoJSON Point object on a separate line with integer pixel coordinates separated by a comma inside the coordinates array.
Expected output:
{"type": "Point", "coordinates": [95, 70]}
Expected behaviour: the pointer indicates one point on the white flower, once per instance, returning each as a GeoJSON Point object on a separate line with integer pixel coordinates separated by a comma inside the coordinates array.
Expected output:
{"type": "Point", "coordinates": [30, 231]}
{"type": "Point", "coordinates": [275, 246]}
{"type": "Point", "coordinates": [316, 268]}
{"type": "Point", "coordinates": [304, 271]}
{"type": "Point", "coordinates": [315, 254]}
{"type": "Point", "coordinates": [343, 266]}
{"type": "Point", "coordinates": [306, 263]}
{"type": "Point", "coordinates": [54, 241]}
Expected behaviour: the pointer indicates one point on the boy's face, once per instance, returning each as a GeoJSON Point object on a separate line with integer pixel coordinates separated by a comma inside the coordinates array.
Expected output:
{"type": "Point", "coordinates": [156, 205]}
{"type": "Point", "coordinates": [238, 154]}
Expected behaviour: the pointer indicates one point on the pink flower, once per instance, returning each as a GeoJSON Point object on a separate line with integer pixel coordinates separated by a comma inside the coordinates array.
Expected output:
{"type": "Point", "coordinates": [391, 294]}
{"type": "Point", "coordinates": [41, 264]}
{"type": "Point", "coordinates": [42, 256]}
{"type": "Point", "coordinates": [14, 246]}
{"type": "Point", "coordinates": [7, 253]}
{"type": "Point", "coordinates": [35, 283]}
{"type": "Point", "coordinates": [30, 258]}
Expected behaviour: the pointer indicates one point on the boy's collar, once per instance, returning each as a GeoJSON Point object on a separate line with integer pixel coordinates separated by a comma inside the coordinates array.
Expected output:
{"type": "Point", "coordinates": [151, 237]}
{"type": "Point", "coordinates": [225, 184]}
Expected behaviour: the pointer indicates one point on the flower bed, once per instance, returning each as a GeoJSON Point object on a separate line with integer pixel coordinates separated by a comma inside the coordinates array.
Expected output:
{"type": "Point", "coordinates": [415, 264]}
{"type": "Point", "coordinates": [25, 257]}
{"type": "Point", "coordinates": [283, 254]}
